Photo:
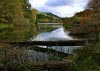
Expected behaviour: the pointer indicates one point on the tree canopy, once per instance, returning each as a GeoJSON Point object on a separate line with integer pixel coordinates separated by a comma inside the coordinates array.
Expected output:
{"type": "Point", "coordinates": [15, 11]}
{"type": "Point", "coordinates": [94, 5]}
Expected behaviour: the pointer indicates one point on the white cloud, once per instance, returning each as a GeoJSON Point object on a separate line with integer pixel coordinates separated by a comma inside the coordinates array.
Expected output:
{"type": "Point", "coordinates": [63, 10]}
{"type": "Point", "coordinates": [38, 3]}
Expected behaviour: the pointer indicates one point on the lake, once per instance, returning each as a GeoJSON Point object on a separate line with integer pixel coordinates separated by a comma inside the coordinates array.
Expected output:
{"type": "Point", "coordinates": [56, 35]}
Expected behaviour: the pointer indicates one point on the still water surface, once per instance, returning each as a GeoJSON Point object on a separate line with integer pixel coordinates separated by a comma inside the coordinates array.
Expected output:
{"type": "Point", "coordinates": [58, 34]}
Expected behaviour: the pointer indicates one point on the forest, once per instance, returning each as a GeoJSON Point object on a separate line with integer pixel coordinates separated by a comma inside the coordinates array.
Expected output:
{"type": "Point", "coordinates": [16, 19]}
{"type": "Point", "coordinates": [18, 23]}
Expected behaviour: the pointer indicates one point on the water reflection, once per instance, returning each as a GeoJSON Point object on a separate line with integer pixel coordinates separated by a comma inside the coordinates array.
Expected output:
{"type": "Point", "coordinates": [58, 34]}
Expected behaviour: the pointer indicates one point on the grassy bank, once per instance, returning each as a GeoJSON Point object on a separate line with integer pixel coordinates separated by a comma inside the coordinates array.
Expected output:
{"type": "Point", "coordinates": [9, 32]}
{"type": "Point", "coordinates": [6, 27]}
{"type": "Point", "coordinates": [17, 59]}
{"type": "Point", "coordinates": [84, 59]}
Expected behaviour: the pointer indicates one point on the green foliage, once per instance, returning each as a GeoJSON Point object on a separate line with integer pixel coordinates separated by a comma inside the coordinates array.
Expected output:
{"type": "Point", "coordinates": [14, 15]}
{"type": "Point", "coordinates": [97, 46]}
{"type": "Point", "coordinates": [10, 11]}
{"type": "Point", "coordinates": [15, 11]}
{"type": "Point", "coordinates": [7, 26]}
{"type": "Point", "coordinates": [17, 34]}
{"type": "Point", "coordinates": [71, 23]}
{"type": "Point", "coordinates": [48, 17]}
{"type": "Point", "coordinates": [86, 59]}
{"type": "Point", "coordinates": [27, 8]}
{"type": "Point", "coordinates": [72, 20]}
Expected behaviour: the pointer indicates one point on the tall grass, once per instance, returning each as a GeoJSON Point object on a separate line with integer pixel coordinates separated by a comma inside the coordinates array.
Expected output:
{"type": "Point", "coordinates": [86, 59]}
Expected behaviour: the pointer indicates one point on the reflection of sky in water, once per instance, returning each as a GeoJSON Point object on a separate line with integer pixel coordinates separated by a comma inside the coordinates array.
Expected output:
{"type": "Point", "coordinates": [65, 49]}
{"type": "Point", "coordinates": [57, 34]}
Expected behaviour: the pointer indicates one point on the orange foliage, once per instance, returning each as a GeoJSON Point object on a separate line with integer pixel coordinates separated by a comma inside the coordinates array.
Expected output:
{"type": "Point", "coordinates": [85, 16]}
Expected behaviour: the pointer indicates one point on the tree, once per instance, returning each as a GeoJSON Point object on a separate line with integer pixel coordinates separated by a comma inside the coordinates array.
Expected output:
{"type": "Point", "coordinates": [34, 15]}
{"type": "Point", "coordinates": [94, 5]}
{"type": "Point", "coordinates": [26, 8]}
{"type": "Point", "coordinates": [11, 11]}
{"type": "Point", "coordinates": [15, 11]}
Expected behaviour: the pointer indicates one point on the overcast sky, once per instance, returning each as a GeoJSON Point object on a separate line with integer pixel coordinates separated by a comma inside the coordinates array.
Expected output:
{"type": "Point", "coordinates": [62, 8]}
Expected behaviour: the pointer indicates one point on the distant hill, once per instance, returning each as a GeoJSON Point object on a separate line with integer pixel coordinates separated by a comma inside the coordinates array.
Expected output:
{"type": "Point", "coordinates": [51, 14]}
{"type": "Point", "coordinates": [48, 17]}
